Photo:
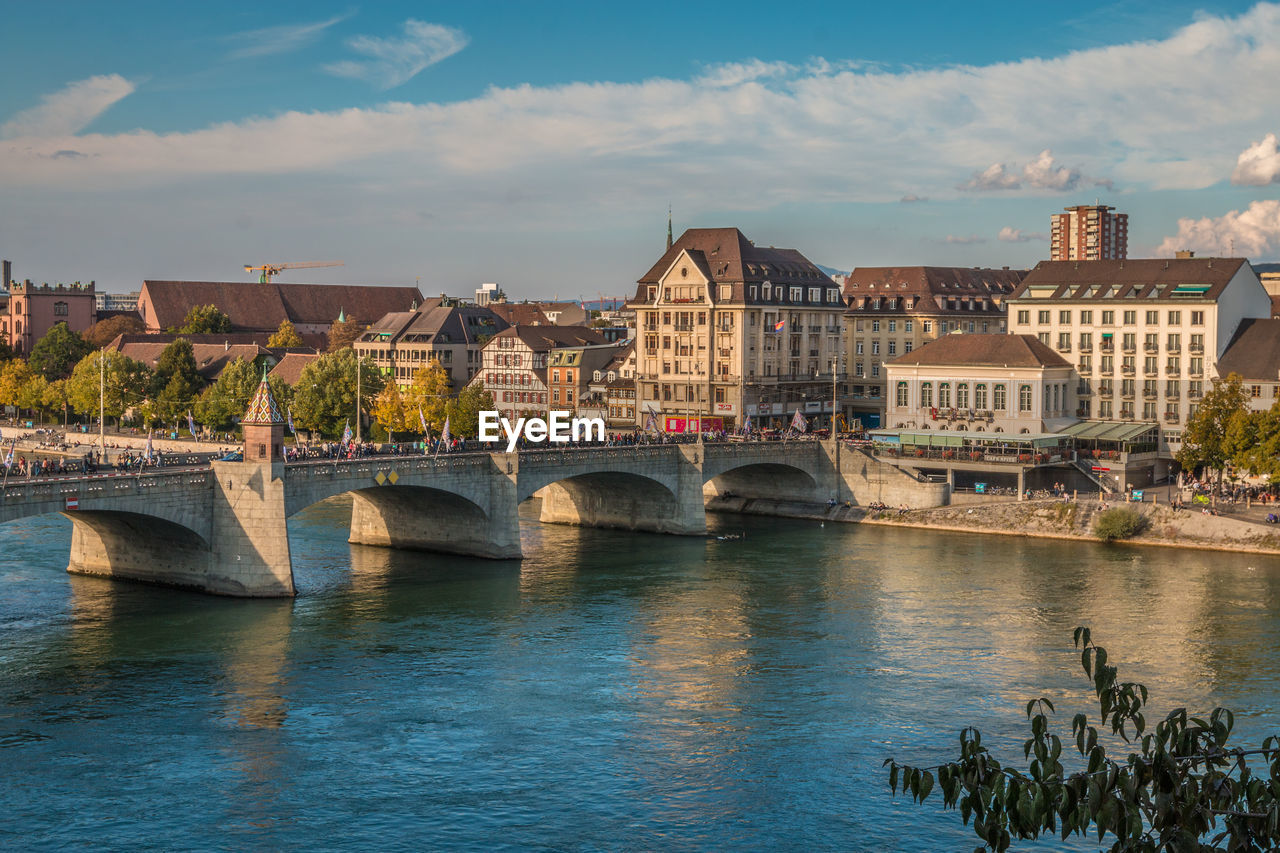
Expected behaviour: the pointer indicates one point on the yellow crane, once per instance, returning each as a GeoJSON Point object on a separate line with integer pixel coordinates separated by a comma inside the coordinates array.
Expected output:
{"type": "Point", "coordinates": [267, 271]}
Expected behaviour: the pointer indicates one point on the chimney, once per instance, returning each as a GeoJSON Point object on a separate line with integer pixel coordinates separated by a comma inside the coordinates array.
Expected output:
{"type": "Point", "coordinates": [7, 268]}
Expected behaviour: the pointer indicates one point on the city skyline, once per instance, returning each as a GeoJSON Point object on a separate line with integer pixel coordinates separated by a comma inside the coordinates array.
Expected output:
{"type": "Point", "coordinates": [446, 147]}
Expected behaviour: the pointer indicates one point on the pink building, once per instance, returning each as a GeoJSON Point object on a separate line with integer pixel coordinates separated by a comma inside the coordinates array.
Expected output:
{"type": "Point", "coordinates": [35, 309]}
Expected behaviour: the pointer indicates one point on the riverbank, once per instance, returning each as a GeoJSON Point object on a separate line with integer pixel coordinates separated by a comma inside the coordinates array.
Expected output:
{"type": "Point", "coordinates": [1045, 519]}
{"type": "Point", "coordinates": [78, 444]}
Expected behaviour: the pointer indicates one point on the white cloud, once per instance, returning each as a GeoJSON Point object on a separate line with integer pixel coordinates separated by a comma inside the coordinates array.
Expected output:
{"type": "Point", "coordinates": [1254, 233]}
{"type": "Point", "coordinates": [1259, 164]}
{"type": "Point", "coordinates": [964, 241]}
{"type": "Point", "coordinates": [69, 111]}
{"type": "Point", "coordinates": [1015, 235]}
{"type": "Point", "coordinates": [393, 61]}
{"type": "Point", "coordinates": [285, 38]}
{"type": "Point", "coordinates": [1042, 173]}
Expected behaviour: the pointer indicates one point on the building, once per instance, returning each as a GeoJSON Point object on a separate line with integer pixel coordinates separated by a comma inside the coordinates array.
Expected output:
{"type": "Point", "coordinates": [401, 342]}
{"type": "Point", "coordinates": [1089, 233]}
{"type": "Point", "coordinates": [1145, 335]}
{"type": "Point", "coordinates": [489, 292]}
{"type": "Point", "coordinates": [210, 358]}
{"type": "Point", "coordinates": [514, 366]}
{"type": "Point", "coordinates": [1253, 354]}
{"type": "Point", "coordinates": [572, 370]}
{"type": "Point", "coordinates": [520, 313]}
{"type": "Point", "coordinates": [258, 307]}
{"type": "Point", "coordinates": [981, 383]}
{"type": "Point", "coordinates": [619, 378]}
{"type": "Point", "coordinates": [33, 309]}
{"type": "Point", "coordinates": [565, 313]}
{"type": "Point", "coordinates": [728, 330]}
{"type": "Point", "coordinates": [895, 310]}
{"type": "Point", "coordinates": [118, 302]}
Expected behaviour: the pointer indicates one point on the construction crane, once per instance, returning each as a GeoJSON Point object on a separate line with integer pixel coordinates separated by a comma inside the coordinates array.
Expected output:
{"type": "Point", "coordinates": [267, 271]}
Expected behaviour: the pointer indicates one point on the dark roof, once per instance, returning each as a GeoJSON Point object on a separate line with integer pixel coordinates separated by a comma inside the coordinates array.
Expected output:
{"type": "Point", "coordinates": [311, 341]}
{"type": "Point", "coordinates": [520, 313]}
{"type": "Point", "coordinates": [436, 324]}
{"type": "Point", "coordinates": [211, 359]}
{"type": "Point", "coordinates": [984, 351]}
{"type": "Point", "coordinates": [726, 256]}
{"type": "Point", "coordinates": [253, 306]}
{"type": "Point", "coordinates": [1149, 278]}
{"type": "Point", "coordinates": [546, 338]}
{"type": "Point", "coordinates": [1275, 307]}
{"type": "Point", "coordinates": [929, 290]}
{"type": "Point", "coordinates": [1254, 351]}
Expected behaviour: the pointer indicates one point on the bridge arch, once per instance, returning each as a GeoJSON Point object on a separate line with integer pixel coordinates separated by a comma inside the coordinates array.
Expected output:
{"type": "Point", "coordinates": [141, 547]}
{"type": "Point", "coordinates": [773, 480]}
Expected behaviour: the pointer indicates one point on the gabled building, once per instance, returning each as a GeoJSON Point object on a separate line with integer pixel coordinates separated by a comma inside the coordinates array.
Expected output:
{"type": "Point", "coordinates": [1253, 354]}
{"type": "Point", "coordinates": [728, 330]}
{"type": "Point", "coordinates": [894, 310]}
{"type": "Point", "coordinates": [514, 366]}
{"type": "Point", "coordinates": [571, 371]}
{"type": "Point", "coordinates": [401, 342]}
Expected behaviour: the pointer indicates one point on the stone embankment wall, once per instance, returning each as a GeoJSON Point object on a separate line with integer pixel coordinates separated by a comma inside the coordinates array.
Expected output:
{"type": "Point", "coordinates": [1074, 520]}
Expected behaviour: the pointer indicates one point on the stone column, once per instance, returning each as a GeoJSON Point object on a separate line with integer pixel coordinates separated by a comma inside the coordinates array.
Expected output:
{"type": "Point", "coordinates": [250, 539]}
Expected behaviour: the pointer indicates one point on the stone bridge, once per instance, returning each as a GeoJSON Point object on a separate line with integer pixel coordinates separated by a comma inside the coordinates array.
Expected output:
{"type": "Point", "coordinates": [224, 529]}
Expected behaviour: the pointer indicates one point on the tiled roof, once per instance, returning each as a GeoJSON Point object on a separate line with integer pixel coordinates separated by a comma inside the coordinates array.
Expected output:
{"type": "Point", "coordinates": [211, 359]}
{"type": "Point", "coordinates": [546, 338]}
{"type": "Point", "coordinates": [1254, 351]}
{"type": "Point", "coordinates": [1137, 279]}
{"type": "Point", "coordinates": [984, 351]}
{"type": "Point", "coordinates": [289, 369]}
{"type": "Point", "coordinates": [253, 306]}
{"type": "Point", "coordinates": [520, 313]}
{"type": "Point", "coordinates": [263, 408]}
{"type": "Point", "coordinates": [930, 290]}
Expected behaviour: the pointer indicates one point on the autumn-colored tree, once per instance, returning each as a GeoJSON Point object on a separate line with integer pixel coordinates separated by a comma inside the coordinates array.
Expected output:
{"type": "Point", "coordinates": [429, 391]}
{"type": "Point", "coordinates": [14, 375]}
{"type": "Point", "coordinates": [126, 383]}
{"type": "Point", "coordinates": [344, 332]}
{"type": "Point", "coordinates": [391, 412]}
{"type": "Point", "coordinates": [105, 331]}
{"type": "Point", "coordinates": [285, 336]}
{"type": "Point", "coordinates": [464, 412]}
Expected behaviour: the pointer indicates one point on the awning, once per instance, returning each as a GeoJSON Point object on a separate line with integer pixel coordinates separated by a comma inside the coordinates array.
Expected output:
{"type": "Point", "coordinates": [1108, 430]}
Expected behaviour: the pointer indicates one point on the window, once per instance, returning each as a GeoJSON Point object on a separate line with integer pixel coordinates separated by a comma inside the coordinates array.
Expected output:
{"type": "Point", "coordinates": [60, 309]}
{"type": "Point", "coordinates": [1064, 317]}
{"type": "Point", "coordinates": [1255, 391]}
{"type": "Point", "coordinates": [1108, 364]}
{"type": "Point", "coordinates": [1044, 338]}
{"type": "Point", "coordinates": [902, 395]}
{"type": "Point", "coordinates": [998, 397]}
{"type": "Point", "coordinates": [906, 325]}
{"type": "Point", "coordinates": [1108, 318]}
{"type": "Point", "coordinates": [906, 346]}
{"type": "Point", "coordinates": [1064, 341]}
{"type": "Point", "coordinates": [857, 347]}
{"type": "Point", "coordinates": [875, 347]}
{"type": "Point", "coordinates": [1042, 317]}
{"type": "Point", "coordinates": [926, 395]}
{"type": "Point", "coordinates": [944, 395]}
{"type": "Point", "coordinates": [1197, 318]}
{"type": "Point", "coordinates": [1175, 343]}
{"type": "Point", "coordinates": [1086, 318]}
{"type": "Point", "coordinates": [942, 327]}
{"type": "Point", "coordinates": [893, 347]}
{"type": "Point", "coordinates": [1086, 341]}
{"type": "Point", "coordinates": [797, 293]}
{"type": "Point", "coordinates": [875, 325]}
{"type": "Point", "coordinates": [857, 369]}
{"type": "Point", "coordinates": [980, 396]}
{"type": "Point", "coordinates": [1104, 409]}
{"type": "Point", "coordinates": [1024, 398]}
{"type": "Point", "coordinates": [875, 372]}
{"type": "Point", "coordinates": [926, 326]}
{"type": "Point", "coordinates": [1130, 318]}
{"type": "Point", "coordinates": [893, 325]}
{"type": "Point", "coordinates": [1149, 365]}
{"type": "Point", "coordinates": [1129, 342]}
{"type": "Point", "coordinates": [1153, 317]}
{"type": "Point", "coordinates": [1175, 318]}
{"type": "Point", "coordinates": [1024, 317]}
{"type": "Point", "coordinates": [962, 395]}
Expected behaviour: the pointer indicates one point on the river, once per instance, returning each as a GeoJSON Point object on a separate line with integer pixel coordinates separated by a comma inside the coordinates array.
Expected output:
{"type": "Point", "coordinates": [613, 691]}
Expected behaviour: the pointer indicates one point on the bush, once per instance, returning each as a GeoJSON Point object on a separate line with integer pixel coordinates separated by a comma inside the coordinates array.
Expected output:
{"type": "Point", "coordinates": [1121, 522]}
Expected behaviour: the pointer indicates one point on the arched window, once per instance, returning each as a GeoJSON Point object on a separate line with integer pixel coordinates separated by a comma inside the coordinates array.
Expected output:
{"type": "Point", "coordinates": [1024, 398]}
{"type": "Point", "coordinates": [980, 396]}
{"type": "Point", "coordinates": [1024, 431]}
{"type": "Point", "coordinates": [926, 395]}
{"type": "Point", "coordinates": [962, 395]}
{"type": "Point", "coordinates": [944, 395]}
{"type": "Point", "coordinates": [902, 395]}
{"type": "Point", "coordinates": [999, 403]}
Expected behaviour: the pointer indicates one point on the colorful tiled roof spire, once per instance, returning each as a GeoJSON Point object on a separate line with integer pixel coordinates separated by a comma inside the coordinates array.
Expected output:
{"type": "Point", "coordinates": [263, 408]}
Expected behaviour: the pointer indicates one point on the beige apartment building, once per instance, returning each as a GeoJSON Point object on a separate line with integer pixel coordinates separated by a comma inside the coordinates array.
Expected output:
{"type": "Point", "coordinates": [401, 342]}
{"type": "Point", "coordinates": [895, 310]}
{"type": "Point", "coordinates": [727, 330]}
{"type": "Point", "coordinates": [1144, 336]}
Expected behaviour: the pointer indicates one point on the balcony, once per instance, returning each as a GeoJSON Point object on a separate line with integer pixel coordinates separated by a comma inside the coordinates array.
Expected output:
{"type": "Point", "coordinates": [1172, 371]}
{"type": "Point", "coordinates": [1127, 369]}
{"type": "Point", "coordinates": [1083, 390]}
{"type": "Point", "coordinates": [1064, 347]}
{"type": "Point", "coordinates": [1149, 347]}
{"type": "Point", "coordinates": [1084, 367]}
{"type": "Point", "coordinates": [1082, 412]}
{"type": "Point", "coordinates": [1148, 393]}
{"type": "Point", "coordinates": [1195, 371]}
{"type": "Point", "coordinates": [1129, 348]}
{"type": "Point", "coordinates": [1171, 417]}
{"type": "Point", "coordinates": [1173, 348]}
{"type": "Point", "coordinates": [1197, 348]}
{"type": "Point", "coordinates": [1127, 393]}
{"type": "Point", "coordinates": [1194, 395]}
{"type": "Point", "coordinates": [1108, 346]}
{"type": "Point", "coordinates": [1105, 391]}
{"type": "Point", "coordinates": [1126, 414]}
{"type": "Point", "coordinates": [1172, 394]}
{"type": "Point", "coordinates": [683, 327]}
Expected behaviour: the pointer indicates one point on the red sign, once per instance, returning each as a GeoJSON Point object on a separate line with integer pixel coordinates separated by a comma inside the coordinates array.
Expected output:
{"type": "Point", "coordinates": [73, 503]}
{"type": "Point", "coordinates": [1096, 468]}
{"type": "Point", "coordinates": [672, 423]}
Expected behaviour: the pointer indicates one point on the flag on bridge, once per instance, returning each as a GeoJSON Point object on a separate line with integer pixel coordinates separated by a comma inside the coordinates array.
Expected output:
{"type": "Point", "coordinates": [292, 431]}
{"type": "Point", "coordinates": [444, 436]}
{"type": "Point", "coordinates": [149, 453]}
{"type": "Point", "coordinates": [191, 424]}
{"type": "Point", "coordinates": [651, 423]}
{"type": "Point", "coordinates": [798, 423]}
{"type": "Point", "coordinates": [346, 433]}
{"type": "Point", "coordinates": [8, 460]}
{"type": "Point", "coordinates": [746, 425]}
{"type": "Point", "coordinates": [422, 419]}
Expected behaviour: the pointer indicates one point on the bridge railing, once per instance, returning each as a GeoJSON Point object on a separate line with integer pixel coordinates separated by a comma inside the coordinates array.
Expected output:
{"type": "Point", "coordinates": [40, 489]}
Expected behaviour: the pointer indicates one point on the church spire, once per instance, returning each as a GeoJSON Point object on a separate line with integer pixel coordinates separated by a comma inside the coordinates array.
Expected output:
{"type": "Point", "coordinates": [668, 227]}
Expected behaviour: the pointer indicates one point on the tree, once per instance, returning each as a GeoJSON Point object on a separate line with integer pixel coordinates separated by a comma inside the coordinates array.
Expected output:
{"type": "Point", "coordinates": [464, 412]}
{"type": "Point", "coordinates": [105, 331]}
{"type": "Point", "coordinates": [1255, 447]}
{"type": "Point", "coordinates": [1184, 784]}
{"type": "Point", "coordinates": [205, 320]}
{"type": "Point", "coordinates": [324, 399]}
{"type": "Point", "coordinates": [127, 383]}
{"type": "Point", "coordinates": [391, 412]}
{"type": "Point", "coordinates": [55, 398]}
{"type": "Point", "coordinates": [429, 392]}
{"type": "Point", "coordinates": [31, 395]}
{"type": "Point", "coordinates": [57, 352]}
{"type": "Point", "coordinates": [345, 332]}
{"type": "Point", "coordinates": [286, 336]}
{"type": "Point", "coordinates": [6, 351]}
{"type": "Point", "coordinates": [14, 375]}
{"type": "Point", "coordinates": [1204, 443]}
{"type": "Point", "coordinates": [225, 401]}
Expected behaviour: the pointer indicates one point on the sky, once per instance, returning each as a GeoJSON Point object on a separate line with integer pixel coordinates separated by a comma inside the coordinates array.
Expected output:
{"type": "Point", "coordinates": [541, 144]}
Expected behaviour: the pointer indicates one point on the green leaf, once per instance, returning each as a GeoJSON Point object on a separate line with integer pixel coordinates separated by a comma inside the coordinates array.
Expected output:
{"type": "Point", "coordinates": [926, 785]}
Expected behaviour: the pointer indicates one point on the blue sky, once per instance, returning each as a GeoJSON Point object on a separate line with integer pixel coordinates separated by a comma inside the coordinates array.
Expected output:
{"type": "Point", "coordinates": [539, 144]}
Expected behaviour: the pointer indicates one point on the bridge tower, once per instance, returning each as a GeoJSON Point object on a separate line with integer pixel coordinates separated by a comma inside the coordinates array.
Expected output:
{"type": "Point", "coordinates": [263, 426]}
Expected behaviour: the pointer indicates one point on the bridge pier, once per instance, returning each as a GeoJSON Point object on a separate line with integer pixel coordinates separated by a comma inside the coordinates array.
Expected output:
{"type": "Point", "coordinates": [424, 519]}
{"type": "Point", "coordinates": [250, 540]}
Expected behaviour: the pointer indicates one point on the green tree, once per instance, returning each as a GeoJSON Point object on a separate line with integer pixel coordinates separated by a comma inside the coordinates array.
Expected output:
{"type": "Point", "coordinates": [464, 412]}
{"type": "Point", "coordinates": [1204, 441]}
{"type": "Point", "coordinates": [14, 375]}
{"type": "Point", "coordinates": [176, 360]}
{"type": "Point", "coordinates": [1258, 450]}
{"type": "Point", "coordinates": [205, 320]}
{"type": "Point", "coordinates": [223, 403]}
{"type": "Point", "coordinates": [127, 383]}
{"type": "Point", "coordinates": [105, 331]}
{"type": "Point", "coordinates": [54, 355]}
{"type": "Point", "coordinates": [1179, 784]}
{"type": "Point", "coordinates": [6, 351]}
{"type": "Point", "coordinates": [325, 396]}
{"type": "Point", "coordinates": [31, 395]}
{"type": "Point", "coordinates": [285, 336]}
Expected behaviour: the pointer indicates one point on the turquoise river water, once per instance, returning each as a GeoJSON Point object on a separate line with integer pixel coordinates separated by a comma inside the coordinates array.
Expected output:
{"type": "Point", "coordinates": [613, 691]}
